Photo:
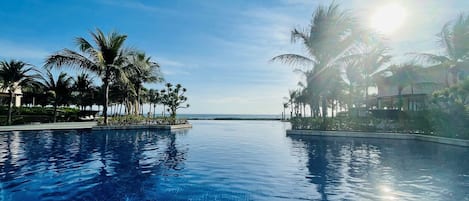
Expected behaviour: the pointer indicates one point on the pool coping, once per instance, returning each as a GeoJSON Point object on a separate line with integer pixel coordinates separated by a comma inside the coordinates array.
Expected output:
{"type": "Point", "coordinates": [88, 125]}
{"type": "Point", "coordinates": [383, 135]}
{"type": "Point", "coordinates": [143, 126]}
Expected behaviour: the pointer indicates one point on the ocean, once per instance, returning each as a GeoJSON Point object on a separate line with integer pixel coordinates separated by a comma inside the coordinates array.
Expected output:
{"type": "Point", "coordinates": [230, 116]}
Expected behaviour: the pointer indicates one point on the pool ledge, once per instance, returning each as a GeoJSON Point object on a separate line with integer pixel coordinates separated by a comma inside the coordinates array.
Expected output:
{"type": "Point", "coordinates": [133, 127]}
{"type": "Point", "coordinates": [50, 126]}
{"type": "Point", "coordinates": [400, 136]}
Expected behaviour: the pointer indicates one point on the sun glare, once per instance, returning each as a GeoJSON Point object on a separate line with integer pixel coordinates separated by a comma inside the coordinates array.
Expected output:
{"type": "Point", "coordinates": [388, 18]}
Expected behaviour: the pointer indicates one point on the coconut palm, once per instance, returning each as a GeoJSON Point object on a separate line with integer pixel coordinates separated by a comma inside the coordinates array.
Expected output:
{"type": "Point", "coordinates": [106, 59]}
{"type": "Point", "coordinates": [292, 95]}
{"type": "Point", "coordinates": [285, 106]}
{"type": "Point", "coordinates": [154, 98]}
{"type": "Point", "coordinates": [83, 86]}
{"type": "Point", "coordinates": [13, 76]}
{"type": "Point", "coordinates": [331, 34]}
{"type": "Point", "coordinates": [370, 59]}
{"type": "Point", "coordinates": [353, 78]}
{"type": "Point", "coordinates": [60, 89]}
{"type": "Point", "coordinates": [402, 75]}
{"type": "Point", "coordinates": [143, 70]}
{"type": "Point", "coordinates": [454, 38]}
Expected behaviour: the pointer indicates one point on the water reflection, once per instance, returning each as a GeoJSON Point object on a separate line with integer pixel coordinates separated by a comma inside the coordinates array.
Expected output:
{"type": "Point", "coordinates": [375, 169]}
{"type": "Point", "coordinates": [91, 165]}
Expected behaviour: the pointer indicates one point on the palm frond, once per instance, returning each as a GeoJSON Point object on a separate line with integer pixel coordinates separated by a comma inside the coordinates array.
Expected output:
{"type": "Point", "coordinates": [295, 60]}
{"type": "Point", "coordinates": [430, 58]}
{"type": "Point", "coordinates": [72, 59]}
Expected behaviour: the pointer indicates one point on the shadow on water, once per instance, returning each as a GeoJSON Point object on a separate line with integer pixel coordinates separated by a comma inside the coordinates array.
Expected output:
{"type": "Point", "coordinates": [379, 169]}
{"type": "Point", "coordinates": [110, 165]}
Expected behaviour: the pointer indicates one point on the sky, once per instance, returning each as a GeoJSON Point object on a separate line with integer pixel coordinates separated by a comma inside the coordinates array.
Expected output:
{"type": "Point", "coordinates": [220, 50]}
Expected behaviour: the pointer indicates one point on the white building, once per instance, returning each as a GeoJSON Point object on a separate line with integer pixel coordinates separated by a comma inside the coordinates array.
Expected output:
{"type": "Point", "coordinates": [415, 96]}
{"type": "Point", "coordinates": [17, 95]}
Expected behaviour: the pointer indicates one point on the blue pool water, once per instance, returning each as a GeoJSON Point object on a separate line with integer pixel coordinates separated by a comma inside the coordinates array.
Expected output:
{"type": "Point", "coordinates": [226, 160]}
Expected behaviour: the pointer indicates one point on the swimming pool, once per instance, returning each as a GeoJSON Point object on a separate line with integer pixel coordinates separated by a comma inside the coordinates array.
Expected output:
{"type": "Point", "coordinates": [226, 160]}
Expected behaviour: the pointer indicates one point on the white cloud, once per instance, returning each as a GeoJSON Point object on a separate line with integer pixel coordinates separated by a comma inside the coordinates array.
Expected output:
{"type": "Point", "coordinates": [174, 67]}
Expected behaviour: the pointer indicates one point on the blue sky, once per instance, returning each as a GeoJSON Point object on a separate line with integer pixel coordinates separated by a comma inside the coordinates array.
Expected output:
{"type": "Point", "coordinates": [218, 49]}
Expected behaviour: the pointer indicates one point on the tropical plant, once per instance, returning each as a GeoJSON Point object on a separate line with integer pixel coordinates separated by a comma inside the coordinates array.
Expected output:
{"type": "Point", "coordinates": [369, 58]}
{"type": "Point", "coordinates": [143, 70]}
{"type": "Point", "coordinates": [173, 97]}
{"type": "Point", "coordinates": [154, 98]}
{"type": "Point", "coordinates": [13, 76]}
{"type": "Point", "coordinates": [59, 90]}
{"type": "Point", "coordinates": [454, 39]}
{"type": "Point", "coordinates": [83, 86]}
{"type": "Point", "coordinates": [402, 75]}
{"type": "Point", "coordinates": [292, 95]}
{"type": "Point", "coordinates": [107, 59]}
{"type": "Point", "coordinates": [285, 106]}
{"type": "Point", "coordinates": [331, 34]}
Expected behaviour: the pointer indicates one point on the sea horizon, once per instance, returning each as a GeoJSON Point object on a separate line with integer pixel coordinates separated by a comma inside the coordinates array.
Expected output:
{"type": "Point", "coordinates": [229, 116]}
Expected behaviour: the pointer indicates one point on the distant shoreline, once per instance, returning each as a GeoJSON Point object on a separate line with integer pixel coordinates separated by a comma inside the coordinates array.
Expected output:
{"type": "Point", "coordinates": [251, 117]}
{"type": "Point", "coordinates": [234, 118]}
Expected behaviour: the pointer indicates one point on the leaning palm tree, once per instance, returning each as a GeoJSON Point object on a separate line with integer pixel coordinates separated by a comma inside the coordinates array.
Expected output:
{"type": "Point", "coordinates": [60, 90]}
{"type": "Point", "coordinates": [106, 59]}
{"type": "Point", "coordinates": [14, 75]}
{"type": "Point", "coordinates": [454, 38]}
{"type": "Point", "coordinates": [331, 34]}
{"type": "Point", "coordinates": [143, 70]}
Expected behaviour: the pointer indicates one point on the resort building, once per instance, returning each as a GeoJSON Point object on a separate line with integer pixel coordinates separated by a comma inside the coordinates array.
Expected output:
{"type": "Point", "coordinates": [415, 93]}
{"type": "Point", "coordinates": [17, 95]}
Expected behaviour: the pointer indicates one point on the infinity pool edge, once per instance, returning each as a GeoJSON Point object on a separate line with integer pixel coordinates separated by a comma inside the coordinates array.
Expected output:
{"type": "Point", "coordinates": [384, 135]}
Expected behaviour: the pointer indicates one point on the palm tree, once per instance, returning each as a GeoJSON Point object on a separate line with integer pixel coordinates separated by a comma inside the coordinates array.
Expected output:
{"type": "Point", "coordinates": [293, 94]}
{"type": "Point", "coordinates": [14, 75]}
{"type": "Point", "coordinates": [402, 75]}
{"type": "Point", "coordinates": [143, 70]}
{"type": "Point", "coordinates": [332, 32]}
{"type": "Point", "coordinates": [155, 99]}
{"type": "Point", "coordinates": [285, 106]}
{"type": "Point", "coordinates": [454, 38]}
{"type": "Point", "coordinates": [353, 79]}
{"type": "Point", "coordinates": [371, 59]}
{"type": "Point", "coordinates": [83, 85]}
{"type": "Point", "coordinates": [106, 59]}
{"type": "Point", "coordinates": [60, 90]}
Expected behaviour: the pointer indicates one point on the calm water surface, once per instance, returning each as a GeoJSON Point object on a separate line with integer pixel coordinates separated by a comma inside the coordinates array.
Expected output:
{"type": "Point", "coordinates": [226, 160]}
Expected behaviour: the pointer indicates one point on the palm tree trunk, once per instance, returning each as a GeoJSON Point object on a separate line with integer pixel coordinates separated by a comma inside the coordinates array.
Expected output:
{"type": "Point", "coordinates": [149, 109]}
{"type": "Point", "coordinates": [10, 108]}
{"type": "Point", "coordinates": [106, 97]}
{"type": "Point", "coordinates": [366, 97]}
{"type": "Point", "coordinates": [291, 109]}
{"type": "Point", "coordinates": [55, 113]}
{"type": "Point", "coordinates": [399, 94]}
{"type": "Point", "coordinates": [304, 110]}
{"type": "Point", "coordinates": [141, 109]}
{"type": "Point", "coordinates": [137, 101]}
{"type": "Point", "coordinates": [324, 113]}
{"type": "Point", "coordinates": [446, 77]}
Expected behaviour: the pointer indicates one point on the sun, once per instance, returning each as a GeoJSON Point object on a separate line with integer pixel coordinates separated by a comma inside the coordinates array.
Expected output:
{"type": "Point", "coordinates": [388, 18]}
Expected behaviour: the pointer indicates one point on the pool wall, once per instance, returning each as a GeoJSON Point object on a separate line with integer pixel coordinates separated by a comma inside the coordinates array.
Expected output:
{"type": "Point", "coordinates": [399, 136]}
{"type": "Point", "coordinates": [132, 127]}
